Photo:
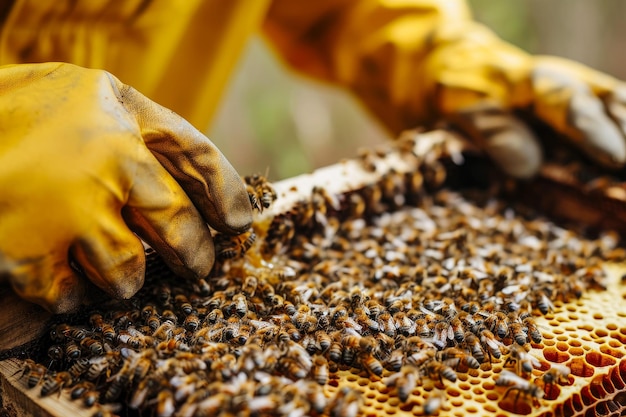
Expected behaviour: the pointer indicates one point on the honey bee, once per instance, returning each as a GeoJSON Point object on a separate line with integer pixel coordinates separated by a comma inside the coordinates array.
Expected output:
{"type": "Point", "coordinates": [229, 247]}
{"type": "Point", "coordinates": [516, 330]}
{"type": "Point", "coordinates": [153, 321]}
{"type": "Point", "coordinates": [498, 323]}
{"type": "Point", "coordinates": [434, 403]}
{"type": "Point", "coordinates": [421, 356]}
{"type": "Point", "coordinates": [370, 363]}
{"type": "Point", "coordinates": [192, 322]}
{"type": "Point", "coordinates": [525, 362]}
{"type": "Point", "coordinates": [165, 403]}
{"type": "Point", "coordinates": [557, 374]}
{"type": "Point", "coordinates": [249, 286]}
{"type": "Point", "coordinates": [336, 352]}
{"type": "Point", "coordinates": [455, 357]}
{"type": "Point", "coordinates": [494, 346]}
{"type": "Point", "coordinates": [437, 370]}
{"type": "Point", "coordinates": [323, 339]}
{"type": "Point", "coordinates": [260, 192]}
{"type": "Point", "coordinates": [182, 303]}
{"type": "Point", "coordinates": [86, 391]}
{"type": "Point", "coordinates": [94, 346]}
{"type": "Point", "coordinates": [404, 381]}
{"type": "Point", "coordinates": [346, 403]}
{"type": "Point", "coordinates": [395, 361]}
{"type": "Point", "coordinates": [72, 350]}
{"type": "Point", "coordinates": [320, 370]}
{"type": "Point", "coordinates": [96, 367]}
{"type": "Point", "coordinates": [169, 316]}
{"type": "Point", "coordinates": [54, 383]}
{"type": "Point", "coordinates": [533, 330]}
{"type": "Point", "coordinates": [33, 371]}
{"type": "Point", "coordinates": [519, 384]}
{"type": "Point", "coordinates": [100, 326]}
{"type": "Point", "coordinates": [543, 303]}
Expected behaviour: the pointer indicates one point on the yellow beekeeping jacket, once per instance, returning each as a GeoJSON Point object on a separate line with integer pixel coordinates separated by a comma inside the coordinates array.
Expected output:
{"type": "Point", "coordinates": [180, 53]}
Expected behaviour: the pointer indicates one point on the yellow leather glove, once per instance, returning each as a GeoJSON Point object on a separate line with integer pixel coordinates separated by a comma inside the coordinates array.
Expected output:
{"type": "Point", "coordinates": [419, 62]}
{"type": "Point", "coordinates": [477, 80]}
{"type": "Point", "coordinates": [85, 161]}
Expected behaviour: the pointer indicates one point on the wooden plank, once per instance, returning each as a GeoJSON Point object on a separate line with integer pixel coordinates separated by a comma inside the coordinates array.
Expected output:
{"type": "Point", "coordinates": [19, 399]}
{"type": "Point", "coordinates": [21, 321]}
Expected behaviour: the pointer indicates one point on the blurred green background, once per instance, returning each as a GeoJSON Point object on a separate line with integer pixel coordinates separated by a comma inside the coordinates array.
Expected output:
{"type": "Point", "coordinates": [276, 122]}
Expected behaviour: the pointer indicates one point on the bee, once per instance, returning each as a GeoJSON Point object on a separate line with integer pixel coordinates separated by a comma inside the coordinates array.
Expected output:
{"type": "Point", "coordinates": [395, 360]}
{"type": "Point", "coordinates": [513, 382]}
{"type": "Point", "coordinates": [421, 356]}
{"type": "Point", "coordinates": [79, 367]}
{"type": "Point", "coordinates": [153, 321]}
{"type": "Point", "coordinates": [105, 329]}
{"type": "Point", "coordinates": [34, 372]}
{"type": "Point", "coordinates": [169, 316]}
{"type": "Point", "coordinates": [86, 391]}
{"type": "Point", "coordinates": [229, 247]}
{"type": "Point", "coordinates": [323, 339]}
{"type": "Point", "coordinates": [493, 345]}
{"type": "Point", "coordinates": [240, 304]}
{"type": "Point", "coordinates": [96, 367]}
{"type": "Point", "coordinates": [55, 353]}
{"type": "Point", "coordinates": [544, 304]}
{"type": "Point", "coordinates": [498, 323]}
{"type": "Point", "coordinates": [434, 403]}
{"type": "Point", "coordinates": [336, 352]}
{"type": "Point", "coordinates": [525, 362]}
{"type": "Point", "coordinates": [370, 363]}
{"type": "Point", "coordinates": [346, 403]}
{"type": "Point", "coordinates": [192, 322]}
{"type": "Point", "coordinates": [516, 330]}
{"type": "Point", "coordinates": [94, 346]}
{"type": "Point", "coordinates": [557, 374]}
{"type": "Point", "coordinates": [368, 159]}
{"type": "Point", "coordinates": [320, 370]}
{"type": "Point", "coordinates": [458, 331]}
{"type": "Point", "coordinates": [164, 332]}
{"type": "Point", "coordinates": [165, 403]}
{"type": "Point", "coordinates": [260, 192]}
{"type": "Point", "coordinates": [438, 370]}
{"type": "Point", "coordinates": [456, 356]}
{"type": "Point", "coordinates": [54, 383]}
{"type": "Point", "coordinates": [404, 381]}
{"type": "Point", "coordinates": [249, 286]}
{"type": "Point", "coordinates": [533, 330]}
{"type": "Point", "coordinates": [72, 350]}
{"type": "Point", "coordinates": [182, 303]}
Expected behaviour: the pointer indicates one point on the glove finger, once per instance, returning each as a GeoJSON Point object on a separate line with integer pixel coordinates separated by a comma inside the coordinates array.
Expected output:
{"type": "Point", "coordinates": [112, 257]}
{"type": "Point", "coordinates": [505, 138]}
{"type": "Point", "coordinates": [163, 215]}
{"type": "Point", "coordinates": [48, 281]}
{"type": "Point", "coordinates": [568, 105]}
{"type": "Point", "coordinates": [616, 106]}
{"type": "Point", "coordinates": [193, 160]}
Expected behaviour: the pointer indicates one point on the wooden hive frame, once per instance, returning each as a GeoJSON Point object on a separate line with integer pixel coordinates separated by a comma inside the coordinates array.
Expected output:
{"type": "Point", "coordinates": [586, 334]}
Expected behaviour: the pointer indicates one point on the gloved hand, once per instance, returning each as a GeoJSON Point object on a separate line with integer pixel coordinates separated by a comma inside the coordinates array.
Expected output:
{"type": "Point", "coordinates": [85, 161]}
{"type": "Point", "coordinates": [477, 79]}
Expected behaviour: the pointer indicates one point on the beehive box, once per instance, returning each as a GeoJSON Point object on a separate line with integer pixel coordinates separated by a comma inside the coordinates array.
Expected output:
{"type": "Point", "coordinates": [341, 339]}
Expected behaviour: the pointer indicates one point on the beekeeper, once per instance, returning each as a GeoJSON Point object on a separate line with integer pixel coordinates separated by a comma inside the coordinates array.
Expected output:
{"type": "Point", "coordinates": [89, 160]}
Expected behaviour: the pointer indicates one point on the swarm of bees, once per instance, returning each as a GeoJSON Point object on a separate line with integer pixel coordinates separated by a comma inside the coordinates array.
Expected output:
{"type": "Point", "coordinates": [406, 287]}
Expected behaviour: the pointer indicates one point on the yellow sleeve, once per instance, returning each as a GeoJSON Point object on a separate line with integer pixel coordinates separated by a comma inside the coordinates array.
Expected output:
{"type": "Point", "coordinates": [375, 48]}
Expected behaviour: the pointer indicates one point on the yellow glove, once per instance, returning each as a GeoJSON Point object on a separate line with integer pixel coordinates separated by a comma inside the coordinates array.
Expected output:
{"type": "Point", "coordinates": [418, 62]}
{"type": "Point", "coordinates": [477, 80]}
{"type": "Point", "coordinates": [85, 161]}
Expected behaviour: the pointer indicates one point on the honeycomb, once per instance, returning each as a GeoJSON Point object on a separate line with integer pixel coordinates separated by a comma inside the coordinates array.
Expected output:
{"type": "Point", "coordinates": [399, 298]}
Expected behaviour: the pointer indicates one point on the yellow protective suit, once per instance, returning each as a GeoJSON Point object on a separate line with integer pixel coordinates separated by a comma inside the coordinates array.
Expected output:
{"type": "Point", "coordinates": [411, 62]}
